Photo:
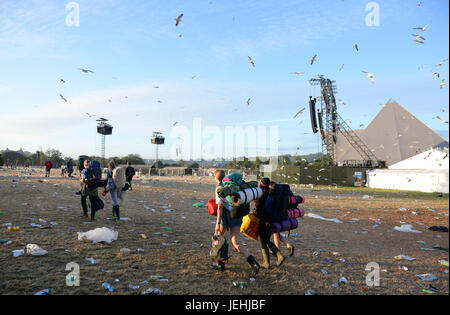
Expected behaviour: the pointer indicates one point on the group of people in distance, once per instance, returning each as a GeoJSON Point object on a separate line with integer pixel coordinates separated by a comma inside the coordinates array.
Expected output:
{"type": "Point", "coordinates": [226, 223]}
{"type": "Point", "coordinates": [92, 191]}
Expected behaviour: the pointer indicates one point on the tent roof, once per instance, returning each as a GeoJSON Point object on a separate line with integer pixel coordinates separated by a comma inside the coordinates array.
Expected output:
{"type": "Point", "coordinates": [393, 136]}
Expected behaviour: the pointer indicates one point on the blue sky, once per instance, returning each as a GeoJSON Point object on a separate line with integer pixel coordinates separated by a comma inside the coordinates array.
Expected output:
{"type": "Point", "coordinates": [133, 46]}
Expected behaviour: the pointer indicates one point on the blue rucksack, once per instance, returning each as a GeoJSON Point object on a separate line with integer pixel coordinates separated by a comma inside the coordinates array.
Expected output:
{"type": "Point", "coordinates": [95, 170]}
{"type": "Point", "coordinates": [276, 204]}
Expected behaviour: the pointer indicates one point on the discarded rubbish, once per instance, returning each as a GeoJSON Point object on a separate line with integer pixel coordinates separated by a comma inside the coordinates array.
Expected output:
{"type": "Point", "coordinates": [98, 235]}
{"type": "Point", "coordinates": [335, 285]}
{"type": "Point", "coordinates": [13, 228]}
{"type": "Point", "coordinates": [441, 248]}
{"type": "Point", "coordinates": [443, 262]}
{"type": "Point", "coordinates": [438, 228]}
{"type": "Point", "coordinates": [428, 277]}
{"type": "Point", "coordinates": [406, 228]}
{"type": "Point", "coordinates": [108, 287]}
{"type": "Point", "coordinates": [43, 292]}
{"type": "Point", "coordinates": [310, 292]}
{"type": "Point", "coordinates": [324, 271]}
{"type": "Point", "coordinates": [154, 277]}
{"type": "Point", "coordinates": [152, 291]}
{"type": "Point", "coordinates": [343, 280]}
{"type": "Point", "coordinates": [403, 257]}
{"type": "Point", "coordinates": [35, 250]}
{"type": "Point", "coordinates": [240, 284]}
{"type": "Point", "coordinates": [19, 252]}
{"type": "Point", "coordinates": [125, 250]}
{"type": "Point", "coordinates": [315, 216]}
{"type": "Point", "coordinates": [133, 287]}
{"type": "Point", "coordinates": [198, 205]}
{"type": "Point", "coordinates": [93, 261]}
{"type": "Point", "coordinates": [3, 240]}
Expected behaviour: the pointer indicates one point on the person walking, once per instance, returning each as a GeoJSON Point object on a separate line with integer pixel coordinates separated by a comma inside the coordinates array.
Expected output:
{"type": "Point", "coordinates": [224, 223]}
{"type": "Point", "coordinates": [70, 167]}
{"type": "Point", "coordinates": [48, 167]}
{"type": "Point", "coordinates": [92, 193]}
{"type": "Point", "coordinates": [113, 190]}
{"type": "Point", "coordinates": [129, 173]}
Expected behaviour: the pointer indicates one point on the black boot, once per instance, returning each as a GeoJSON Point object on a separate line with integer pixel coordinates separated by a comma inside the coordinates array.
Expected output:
{"type": "Point", "coordinates": [253, 263]}
{"type": "Point", "coordinates": [117, 212]}
{"type": "Point", "coordinates": [114, 211]}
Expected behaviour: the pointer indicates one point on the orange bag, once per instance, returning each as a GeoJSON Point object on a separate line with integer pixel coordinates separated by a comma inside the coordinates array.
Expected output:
{"type": "Point", "coordinates": [250, 226]}
{"type": "Point", "coordinates": [212, 207]}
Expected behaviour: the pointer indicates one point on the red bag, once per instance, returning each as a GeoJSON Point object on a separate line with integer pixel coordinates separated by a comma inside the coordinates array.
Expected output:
{"type": "Point", "coordinates": [212, 207]}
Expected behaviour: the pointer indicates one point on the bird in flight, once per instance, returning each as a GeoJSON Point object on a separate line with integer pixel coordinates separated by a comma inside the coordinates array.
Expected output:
{"type": "Point", "coordinates": [62, 80]}
{"type": "Point", "coordinates": [436, 74]}
{"type": "Point", "coordinates": [248, 101]}
{"type": "Point", "coordinates": [86, 70]}
{"type": "Point", "coordinates": [299, 112]}
{"type": "Point", "coordinates": [342, 67]}
{"type": "Point", "coordinates": [356, 47]}
{"type": "Point", "coordinates": [440, 64]}
{"type": "Point", "coordinates": [441, 119]}
{"type": "Point", "coordinates": [62, 97]}
{"type": "Point", "coordinates": [175, 123]}
{"type": "Point", "coordinates": [419, 42]}
{"type": "Point", "coordinates": [442, 83]}
{"type": "Point", "coordinates": [418, 36]}
{"type": "Point", "coordinates": [342, 102]}
{"type": "Point", "coordinates": [313, 59]}
{"type": "Point", "coordinates": [178, 19]}
{"type": "Point", "coordinates": [423, 29]}
{"type": "Point", "coordinates": [297, 73]}
{"type": "Point", "coordinates": [250, 60]}
{"type": "Point", "coordinates": [370, 76]}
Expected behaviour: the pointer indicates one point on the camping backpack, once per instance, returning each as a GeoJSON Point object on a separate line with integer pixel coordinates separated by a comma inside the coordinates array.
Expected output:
{"type": "Point", "coordinates": [95, 170]}
{"type": "Point", "coordinates": [277, 203]}
{"type": "Point", "coordinates": [119, 177]}
{"type": "Point", "coordinates": [219, 250]}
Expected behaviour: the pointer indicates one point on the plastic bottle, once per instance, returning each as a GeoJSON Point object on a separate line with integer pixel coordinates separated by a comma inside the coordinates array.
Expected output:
{"type": "Point", "coordinates": [108, 287]}
{"type": "Point", "coordinates": [13, 228]}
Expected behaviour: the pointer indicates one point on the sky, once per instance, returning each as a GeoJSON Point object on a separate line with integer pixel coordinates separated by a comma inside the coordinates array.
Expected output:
{"type": "Point", "coordinates": [192, 81]}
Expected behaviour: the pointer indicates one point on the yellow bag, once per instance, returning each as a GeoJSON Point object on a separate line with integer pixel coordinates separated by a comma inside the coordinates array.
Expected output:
{"type": "Point", "coordinates": [250, 226]}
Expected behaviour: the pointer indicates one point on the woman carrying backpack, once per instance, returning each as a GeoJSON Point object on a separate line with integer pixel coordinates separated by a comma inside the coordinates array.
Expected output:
{"type": "Point", "coordinates": [265, 218]}
{"type": "Point", "coordinates": [113, 190]}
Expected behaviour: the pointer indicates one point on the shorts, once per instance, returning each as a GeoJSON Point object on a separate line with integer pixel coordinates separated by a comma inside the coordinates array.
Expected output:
{"type": "Point", "coordinates": [228, 222]}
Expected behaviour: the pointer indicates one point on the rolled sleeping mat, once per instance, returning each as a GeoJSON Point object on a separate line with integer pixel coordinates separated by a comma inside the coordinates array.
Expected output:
{"type": "Point", "coordinates": [284, 226]}
{"type": "Point", "coordinates": [246, 196]}
{"type": "Point", "coordinates": [296, 213]}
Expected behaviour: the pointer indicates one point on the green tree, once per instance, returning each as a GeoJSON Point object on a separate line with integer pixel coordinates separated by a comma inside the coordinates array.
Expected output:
{"type": "Point", "coordinates": [1, 160]}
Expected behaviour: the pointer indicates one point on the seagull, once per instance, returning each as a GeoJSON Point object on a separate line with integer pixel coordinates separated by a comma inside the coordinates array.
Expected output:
{"type": "Point", "coordinates": [250, 60]}
{"type": "Point", "coordinates": [62, 80]}
{"type": "Point", "coordinates": [436, 74]}
{"type": "Point", "coordinates": [440, 64]}
{"type": "Point", "coordinates": [193, 77]}
{"type": "Point", "coordinates": [442, 83]}
{"type": "Point", "coordinates": [299, 112]}
{"type": "Point", "coordinates": [175, 123]}
{"type": "Point", "coordinates": [441, 119]}
{"type": "Point", "coordinates": [156, 87]}
{"type": "Point", "coordinates": [418, 36]}
{"type": "Point", "coordinates": [419, 42]}
{"type": "Point", "coordinates": [62, 97]}
{"type": "Point", "coordinates": [313, 59]}
{"type": "Point", "coordinates": [297, 73]}
{"type": "Point", "coordinates": [356, 47]}
{"type": "Point", "coordinates": [361, 125]}
{"type": "Point", "coordinates": [420, 3]}
{"type": "Point", "coordinates": [342, 102]}
{"type": "Point", "coordinates": [248, 102]}
{"type": "Point", "coordinates": [342, 67]}
{"type": "Point", "coordinates": [370, 76]}
{"type": "Point", "coordinates": [90, 116]}
{"type": "Point", "coordinates": [159, 101]}
{"type": "Point", "coordinates": [86, 70]}
{"type": "Point", "coordinates": [423, 29]}
{"type": "Point", "coordinates": [178, 19]}
{"type": "Point", "coordinates": [110, 101]}
{"type": "Point", "coordinates": [181, 35]}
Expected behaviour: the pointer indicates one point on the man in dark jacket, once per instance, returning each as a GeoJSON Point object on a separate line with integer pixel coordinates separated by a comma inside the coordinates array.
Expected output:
{"type": "Point", "coordinates": [70, 168]}
{"type": "Point", "coordinates": [129, 173]}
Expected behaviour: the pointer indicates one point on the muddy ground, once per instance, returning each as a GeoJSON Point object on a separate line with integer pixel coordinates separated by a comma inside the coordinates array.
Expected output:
{"type": "Point", "coordinates": [178, 235]}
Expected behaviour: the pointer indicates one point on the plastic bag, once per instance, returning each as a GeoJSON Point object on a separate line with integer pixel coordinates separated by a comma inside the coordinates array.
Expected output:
{"type": "Point", "coordinates": [35, 250]}
{"type": "Point", "coordinates": [99, 235]}
{"type": "Point", "coordinates": [250, 226]}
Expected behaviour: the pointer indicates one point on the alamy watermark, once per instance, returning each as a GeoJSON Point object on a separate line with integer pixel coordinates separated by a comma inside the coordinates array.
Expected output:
{"type": "Point", "coordinates": [373, 277]}
{"type": "Point", "coordinates": [73, 17]}
{"type": "Point", "coordinates": [229, 142]}
{"type": "Point", "coordinates": [373, 17]}
{"type": "Point", "coordinates": [73, 277]}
